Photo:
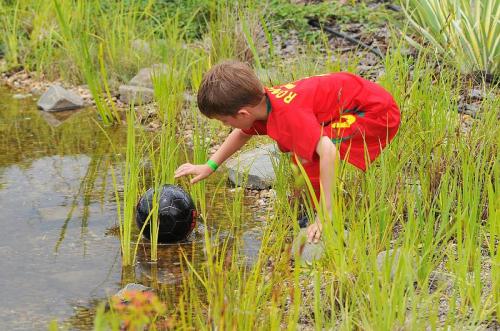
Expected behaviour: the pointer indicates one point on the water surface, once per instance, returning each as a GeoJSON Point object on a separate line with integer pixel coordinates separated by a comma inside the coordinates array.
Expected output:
{"type": "Point", "coordinates": [59, 250]}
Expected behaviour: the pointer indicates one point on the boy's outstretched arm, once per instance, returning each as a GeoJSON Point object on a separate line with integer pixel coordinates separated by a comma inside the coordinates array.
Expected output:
{"type": "Point", "coordinates": [328, 161]}
{"type": "Point", "coordinates": [233, 142]}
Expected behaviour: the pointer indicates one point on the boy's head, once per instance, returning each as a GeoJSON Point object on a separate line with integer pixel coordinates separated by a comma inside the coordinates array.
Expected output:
{"type": "Point", "coordinates": [227, 87]}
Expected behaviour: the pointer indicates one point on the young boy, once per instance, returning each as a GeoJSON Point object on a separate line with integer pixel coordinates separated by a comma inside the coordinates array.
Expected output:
{"type": "Point", "coordinates": [318, 119]}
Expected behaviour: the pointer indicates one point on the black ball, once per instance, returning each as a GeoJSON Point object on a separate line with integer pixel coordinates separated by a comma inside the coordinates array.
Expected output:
{"type": "Point", "coordinates": [176, 213]}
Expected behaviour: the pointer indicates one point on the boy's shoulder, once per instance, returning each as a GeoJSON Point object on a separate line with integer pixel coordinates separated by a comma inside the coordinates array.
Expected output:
{"type": "Point", "coordinates": [307, 89]}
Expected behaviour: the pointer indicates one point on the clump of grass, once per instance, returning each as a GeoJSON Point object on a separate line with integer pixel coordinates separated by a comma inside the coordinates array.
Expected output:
{"type": "Point", "coordinates": [79, 49]}
{"type": "Point", "coordinates": [126, 211]}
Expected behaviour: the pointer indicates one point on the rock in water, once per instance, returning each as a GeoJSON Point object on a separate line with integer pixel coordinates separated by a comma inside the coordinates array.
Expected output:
{"type": "Point", "coordinates": [257, 164]}
{"type": "Point", "coordinates": [307, 252]}
{"type": "Point", "coordinates": [132, 287]}
{"type": "Point", "coordinates": [57, 98]}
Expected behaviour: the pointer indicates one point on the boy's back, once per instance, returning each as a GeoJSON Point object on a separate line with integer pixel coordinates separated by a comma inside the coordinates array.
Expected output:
{"type": "Point", "coordinates": [358, 114]}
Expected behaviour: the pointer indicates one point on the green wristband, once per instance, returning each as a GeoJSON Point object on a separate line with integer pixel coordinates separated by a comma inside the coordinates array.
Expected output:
{"type": "Point", "coordinates": [212, 165]}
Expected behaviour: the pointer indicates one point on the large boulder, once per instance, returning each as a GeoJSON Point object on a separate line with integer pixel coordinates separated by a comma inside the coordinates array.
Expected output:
{"type": "Point", "coordinates": [57, 98]}
{"type": "Point", "coordinates": [257, 164]}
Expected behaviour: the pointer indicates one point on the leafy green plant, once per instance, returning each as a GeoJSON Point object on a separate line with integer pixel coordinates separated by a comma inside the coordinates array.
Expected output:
{"type": "Point", "coordinates": [135, 310]}
{"type": "Point", "coordinates": [466, 32]}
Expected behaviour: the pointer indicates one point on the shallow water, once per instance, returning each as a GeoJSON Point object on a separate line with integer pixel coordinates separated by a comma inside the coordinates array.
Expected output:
{"type": "Point", "coordinates": [59, 252]}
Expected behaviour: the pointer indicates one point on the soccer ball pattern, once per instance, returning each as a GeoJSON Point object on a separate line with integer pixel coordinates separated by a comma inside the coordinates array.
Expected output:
{"type": "Point", "coordinates": [176, 213]}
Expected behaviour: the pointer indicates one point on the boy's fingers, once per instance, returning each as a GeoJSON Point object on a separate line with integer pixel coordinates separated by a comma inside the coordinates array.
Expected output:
{"type": "Point", "coordinates": [317, 236]}
{"type": "Point", "coordinates": [197, 179]}
{"type": "Point", "coordinates": [310, 234]}
{"type": "Point", "coordinates": [183, 167]}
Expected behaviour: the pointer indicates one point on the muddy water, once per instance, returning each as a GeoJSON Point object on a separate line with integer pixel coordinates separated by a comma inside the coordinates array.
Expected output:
{"type": "Point", "coordinates": [59, 249]}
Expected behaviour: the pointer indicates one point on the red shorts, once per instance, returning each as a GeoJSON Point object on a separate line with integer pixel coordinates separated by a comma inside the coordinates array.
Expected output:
{"type": "Point", "coordinates": [359, 137]}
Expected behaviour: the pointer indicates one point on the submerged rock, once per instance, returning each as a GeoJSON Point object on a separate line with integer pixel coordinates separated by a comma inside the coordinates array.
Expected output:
{"type": "Point", "coordinates": [135, 95]}
{"type": "Point", "coordinates": [57, 98]}
{"type": "Point", "coordinates": [132, 287]}
{"type": "Point", "coordinates": [257, 164]}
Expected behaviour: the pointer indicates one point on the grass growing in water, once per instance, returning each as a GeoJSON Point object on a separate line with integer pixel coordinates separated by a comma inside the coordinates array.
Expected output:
{"type": "Point", "coordinates": [126, 211]}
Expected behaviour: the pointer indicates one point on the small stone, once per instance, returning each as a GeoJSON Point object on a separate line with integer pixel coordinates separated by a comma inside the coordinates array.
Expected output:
{"type": "Point", "coordinates": [476, 94]}
{"type": "Point", "coordinates": [307, 252]}
{"type": "Point", "coordinates": [132, 287]}
{"type": "Point", "coordinates": [144, 77]}
{"type": "Point", "coordinates": [392, 256]}
{"type": "Point", "coordinates": [472, 109]}
{"type": "Point", "coordinates": [37, 90]}
{"type": "Point", "coordinates": [189, 97]}
{"type": "Point", "coordinates": [57, 98]}
{"type": "Point", "coordinates": [136, 95]}
{"type": "Point", "coordinates": [21, 96]}
{"type": "Point", "coordinates": [141, 46]}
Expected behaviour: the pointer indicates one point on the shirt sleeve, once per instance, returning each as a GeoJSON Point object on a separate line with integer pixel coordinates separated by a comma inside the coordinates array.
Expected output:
{"type": "Point", "coordinates": [303, 131]}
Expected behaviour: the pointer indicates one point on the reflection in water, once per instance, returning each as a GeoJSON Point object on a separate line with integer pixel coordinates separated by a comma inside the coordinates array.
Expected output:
{"type": "Point", "coordinates": [56, 203]}
{"type": "Point", "coordinates": [58, 255]}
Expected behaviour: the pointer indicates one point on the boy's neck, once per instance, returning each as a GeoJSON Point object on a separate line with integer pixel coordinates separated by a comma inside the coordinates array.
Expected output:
{"type": "Point", "coordinates": [260, 110]}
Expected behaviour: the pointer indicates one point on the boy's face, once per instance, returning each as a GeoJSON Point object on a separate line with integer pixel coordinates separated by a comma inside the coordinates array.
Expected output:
{"type": "Point", "coordinates": [242, 120]}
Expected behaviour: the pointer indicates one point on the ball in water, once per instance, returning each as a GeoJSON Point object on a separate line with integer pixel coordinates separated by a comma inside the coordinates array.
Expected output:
{"type": "Point", "coordinates": [176, 213]}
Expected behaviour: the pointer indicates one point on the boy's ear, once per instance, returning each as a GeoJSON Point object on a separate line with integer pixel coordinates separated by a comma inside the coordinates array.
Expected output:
{"type": "Point", "coordinates": [243, 112]}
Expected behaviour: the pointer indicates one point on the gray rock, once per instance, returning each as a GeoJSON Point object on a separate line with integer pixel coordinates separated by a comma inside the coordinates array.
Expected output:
{"type": "Point", "coordinates": [257, 164]}
{"type": "Point", "coordinates": [472, 109]}
{"type": "Point", "coordinates": [57, 98]}
{"type": "Point", "coordinates": [136, 94]}
{"type": "Point", "coordinates": [145, 76]}
{"type": "Point", "coordinates": [476, 94]}
{"type": "Point", "coordinates": [141, 46]}
{"type": "Point", "coordinates": [392, 257]}
{"type": "Point", "coordinates": [36, 91]}
{"type": "Point", "coordinates": [133, 287]}
{"type": "Point", "coordinates": [304, 251]}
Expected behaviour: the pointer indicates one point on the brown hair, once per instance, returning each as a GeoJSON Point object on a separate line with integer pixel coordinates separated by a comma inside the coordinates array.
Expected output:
{"type": "Point", "coordinates": [227, 87]}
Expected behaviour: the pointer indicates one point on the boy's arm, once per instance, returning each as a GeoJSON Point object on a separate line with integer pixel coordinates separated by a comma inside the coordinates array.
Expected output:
{"type": "Point", "coordinates": [328, 161]}
{"type": "Point", "coordinates": [236, 139]}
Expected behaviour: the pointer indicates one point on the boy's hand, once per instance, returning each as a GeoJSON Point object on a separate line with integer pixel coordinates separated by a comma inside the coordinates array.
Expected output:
{"type": "Point", "coordinates": [200, 171]}
{"type": "Point", "coordinates": [314, 232]}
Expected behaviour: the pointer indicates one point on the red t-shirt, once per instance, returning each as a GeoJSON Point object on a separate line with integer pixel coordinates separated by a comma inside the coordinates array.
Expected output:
{"type": "Point", "coordinates": [357, 114]}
